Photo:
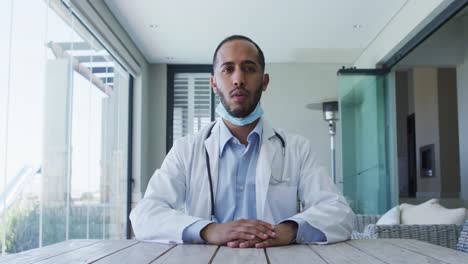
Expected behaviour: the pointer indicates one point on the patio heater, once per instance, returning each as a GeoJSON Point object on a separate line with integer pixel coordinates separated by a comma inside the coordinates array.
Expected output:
{"type": "Point", "coordinates": [330, 115]}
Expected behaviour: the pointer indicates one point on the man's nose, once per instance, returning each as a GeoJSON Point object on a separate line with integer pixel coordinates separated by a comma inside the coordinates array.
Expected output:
{"type": "Point", "coordinates": [238, 79]}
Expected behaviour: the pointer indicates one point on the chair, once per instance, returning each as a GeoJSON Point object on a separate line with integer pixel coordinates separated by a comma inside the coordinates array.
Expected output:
{"type": "Point", "coordinates": [443, 235]}
{"type": "Point", "coordinates": [360, 222]}
{"type": "Point", "coordinates": [463, 240]}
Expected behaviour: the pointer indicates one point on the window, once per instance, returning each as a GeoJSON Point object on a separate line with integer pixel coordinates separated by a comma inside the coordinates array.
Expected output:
{"type": "Point", "coordinates": [64, 130]}
{"type": "Point", "coordinates": [191, 100]}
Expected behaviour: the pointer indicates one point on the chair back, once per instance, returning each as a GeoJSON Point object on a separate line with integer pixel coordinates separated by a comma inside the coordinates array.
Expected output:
{"type": "Point", "coordinates": [361, 221]}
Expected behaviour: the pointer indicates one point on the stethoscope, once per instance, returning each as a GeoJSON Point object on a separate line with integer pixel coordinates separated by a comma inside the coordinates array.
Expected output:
{"type": "Point", "coordinates": [283, 145]}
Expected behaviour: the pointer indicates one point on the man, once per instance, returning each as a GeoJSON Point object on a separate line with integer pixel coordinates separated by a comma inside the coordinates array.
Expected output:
{"type": "Point", "coordinates": [238, 181]}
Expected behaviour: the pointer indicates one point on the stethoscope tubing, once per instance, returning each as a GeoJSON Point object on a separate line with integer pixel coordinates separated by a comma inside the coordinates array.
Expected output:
{"type": "Point", "coordinates": [208, 167]}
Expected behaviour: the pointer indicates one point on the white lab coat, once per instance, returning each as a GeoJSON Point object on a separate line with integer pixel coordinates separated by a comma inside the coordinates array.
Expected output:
{"type": "Point", "coordinates": [178, 194]}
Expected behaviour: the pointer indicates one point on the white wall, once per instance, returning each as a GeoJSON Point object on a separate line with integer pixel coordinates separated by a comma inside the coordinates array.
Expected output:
{"type": "Point", "coordinates": [157, 105]}
{"type": "Point", "coordinates": [141, 124]}
{"type": "Point", "coordinates": [292, 87]}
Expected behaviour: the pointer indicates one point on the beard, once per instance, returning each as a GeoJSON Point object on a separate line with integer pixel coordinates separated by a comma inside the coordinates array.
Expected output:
{"type": "Point", "coordinates": [245, 110]}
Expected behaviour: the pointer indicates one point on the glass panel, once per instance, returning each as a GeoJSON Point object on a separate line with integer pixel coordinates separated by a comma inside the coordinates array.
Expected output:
{"type": "Point", "coordinates": [64, 130]}
{"type": "Point", "coordinates": [21, 178]}
{"type": "Point", "coordinates": [367, 183]}
{"type": "Point", "coordinates": [5, 23]}
{"type": "Point", "coordinates": [57, 121]}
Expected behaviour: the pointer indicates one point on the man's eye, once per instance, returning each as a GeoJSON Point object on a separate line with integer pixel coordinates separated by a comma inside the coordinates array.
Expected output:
{"type": "Point", "coordinates": [227, 69]}
{"type": "Point", "coordinates": [250, 69]}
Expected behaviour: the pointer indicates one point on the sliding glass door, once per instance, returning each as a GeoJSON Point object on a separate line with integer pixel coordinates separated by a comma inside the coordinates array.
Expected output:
{"type": "Point", "coordinates": [366, 135]}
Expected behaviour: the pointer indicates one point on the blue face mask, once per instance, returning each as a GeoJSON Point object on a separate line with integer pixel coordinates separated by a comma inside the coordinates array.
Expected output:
{"type": "Point", "coordinates": [243, 121]}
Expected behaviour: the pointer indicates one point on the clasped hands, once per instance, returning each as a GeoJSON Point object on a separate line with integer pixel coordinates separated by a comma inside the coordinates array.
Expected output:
{"type": "Point", "coordinates": [247, 233]}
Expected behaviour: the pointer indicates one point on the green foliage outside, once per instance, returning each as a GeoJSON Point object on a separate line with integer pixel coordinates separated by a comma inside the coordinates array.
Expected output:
{"type": "Point", "coordinates": [22, 226]}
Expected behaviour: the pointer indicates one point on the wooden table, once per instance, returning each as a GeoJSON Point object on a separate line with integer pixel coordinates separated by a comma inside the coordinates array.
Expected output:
{"type": "Point", "coordinates": [132, 251]}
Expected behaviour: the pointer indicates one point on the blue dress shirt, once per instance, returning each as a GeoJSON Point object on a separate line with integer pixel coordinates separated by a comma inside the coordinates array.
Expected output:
{"type": "Point", "coordinates": [235, 195]}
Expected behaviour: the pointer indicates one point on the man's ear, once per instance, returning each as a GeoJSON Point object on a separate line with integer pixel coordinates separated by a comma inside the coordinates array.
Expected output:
{"type": "Point", "coordinates": [266, 81]}
{"type": "Point", "coordinates": [213, 84]}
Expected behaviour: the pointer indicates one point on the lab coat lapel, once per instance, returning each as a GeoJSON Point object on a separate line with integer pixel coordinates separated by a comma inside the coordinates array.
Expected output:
{"type": "Point", "coordinates": [263, 170]}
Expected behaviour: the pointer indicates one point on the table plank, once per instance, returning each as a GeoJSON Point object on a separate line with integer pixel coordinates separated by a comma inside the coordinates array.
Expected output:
{"type": "Point", "coordinates": [143, 252]}
{"type": "Point", "coordinates": [293, 254]}
{"type": "Point", "coordinates": [92, 253]}
{"type": "Point", "coordinates": [240, 255]}
{"type": "Point", "coordinates": [343, 253]}
{"type": "Point", "coordinates": [38, 254]}
{"type": "Point", "coordinates": [187, 253]}
{"type": "Point", "coordinates": [387, 251]}
{"type": "Point", "coordinates": [444, 254]}
{"type": "Point", "coordinates": [390, 253]}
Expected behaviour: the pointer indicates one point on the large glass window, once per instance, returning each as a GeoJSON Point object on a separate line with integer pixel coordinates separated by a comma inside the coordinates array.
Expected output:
{"type": "Point", "coordinates": [64, 130]}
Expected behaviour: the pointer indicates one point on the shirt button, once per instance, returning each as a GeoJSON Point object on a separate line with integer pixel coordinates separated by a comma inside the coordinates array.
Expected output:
{"type": "Point", "coordinates": [241, 188]}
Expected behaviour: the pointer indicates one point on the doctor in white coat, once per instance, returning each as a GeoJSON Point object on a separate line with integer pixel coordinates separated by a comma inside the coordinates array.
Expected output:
{"type": "Point", "coordinates": [292, 199]}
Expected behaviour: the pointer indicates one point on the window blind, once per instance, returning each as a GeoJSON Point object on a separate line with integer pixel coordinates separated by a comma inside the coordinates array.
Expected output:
{"type": "Point", "coordinates": [192, 103]}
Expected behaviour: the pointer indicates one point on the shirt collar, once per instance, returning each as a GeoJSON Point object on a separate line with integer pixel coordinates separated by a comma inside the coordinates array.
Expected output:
{"type": "Point", "coordinates": [225, 135]}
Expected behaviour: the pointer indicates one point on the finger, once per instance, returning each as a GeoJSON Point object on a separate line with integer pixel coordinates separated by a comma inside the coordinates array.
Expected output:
{"type": "Point", "coordinates": [256, 231]}
{"type": "Point", "coordinates": [271, 234]}
{"type": "Point", "coordinates": [264, 244]}
{"type": "Point", "coordinates": [259, 225]}
{"type": "Point", "coordinates": [250, 243]}
{"type": "Point", "coordinates": [257, 222]}
{"type": "Point", "coordinates": [245, 244]}
{"type": "Point", "coordinates": [240, 236]}
{"type": "Point", "coordinates": [234, 244]}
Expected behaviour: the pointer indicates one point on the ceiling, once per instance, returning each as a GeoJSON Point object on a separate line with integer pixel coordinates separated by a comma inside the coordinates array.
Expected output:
{"type": "Point", "coordinates": [312, 31]}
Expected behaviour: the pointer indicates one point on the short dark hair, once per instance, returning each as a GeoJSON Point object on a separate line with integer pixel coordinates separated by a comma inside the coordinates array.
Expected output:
{"type": "Point", "coordinates": [261, 57]}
